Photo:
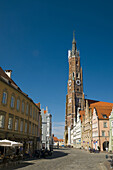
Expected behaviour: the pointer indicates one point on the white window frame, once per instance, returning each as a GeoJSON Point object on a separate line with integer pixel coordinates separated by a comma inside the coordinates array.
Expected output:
{"type": "Point", "coordinates": [16, 124]}
{"type": "Point", "coordinates": [2, 121]}
{"type": "Point", "coordinates": [10, 123]}
{"type": "Point", "coordinates": [105, 124]}
{"type": "Point", "coordinates": [103, 132]}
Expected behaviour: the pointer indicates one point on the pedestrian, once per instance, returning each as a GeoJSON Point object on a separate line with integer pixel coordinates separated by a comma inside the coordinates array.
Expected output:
{"type": "Point", "coordinates": [89, 148]}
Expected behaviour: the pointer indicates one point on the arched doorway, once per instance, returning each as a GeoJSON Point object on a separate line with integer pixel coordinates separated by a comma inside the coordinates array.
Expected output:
{"type": "Point", "coordinates": [105, 145]}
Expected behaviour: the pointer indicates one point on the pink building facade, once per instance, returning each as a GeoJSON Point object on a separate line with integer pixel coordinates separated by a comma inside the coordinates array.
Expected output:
{"type": "Point", "coordinates": [100, 127]}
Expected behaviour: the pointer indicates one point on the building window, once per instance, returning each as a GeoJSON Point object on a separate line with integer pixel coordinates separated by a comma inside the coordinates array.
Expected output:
{"type": "Point", "coordinates": [12, 101]}
{"type": "Point", "coordinates": [37, 131]}
{"type": "Point", "coordinates": [29, 127]}
{"type": "Point", "coordinates": [18, 104]}
{"type": "Point", "coordinates": [31, 111]}
{"type": "Point", "coordinates": [76, 62]}
{"type": "Point", "coordinates": [2, 121]}
{"type": "Point", "coordinates": [23, 106]}
{"type": "Point", "coordinates": [37, 115]}
{"type": "Point", "coordinates": [32, 129]}
{"type": "Point", "coordinates": [103, 133]}
{"type": "Point", "coordinates": [16, 124]}
{"type": "Point", "coordinates": [27, 108]}
{"type": "Point", "coordinates": [34, 114]}
{"type": "Point", "coordinates": [21, 126]}
{"type": "Point", "coordinates": [104, 116]}
{"type": "Point", "coordinates": [105, 124]}
{"type": "Point", "coordinates": [25, 127]}
{"type": "Point", "coordinates": [10, 123]}
{"type": "Point", "coordinates": [108, 133]}
{"type": "Point", "coordinates": [4, 98]}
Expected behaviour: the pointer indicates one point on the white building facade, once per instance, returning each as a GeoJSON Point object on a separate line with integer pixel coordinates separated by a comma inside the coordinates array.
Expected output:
{"type": "Point", "coordinates": [76, 132]}
{"type": "Point", "coordinates": [47, 141]}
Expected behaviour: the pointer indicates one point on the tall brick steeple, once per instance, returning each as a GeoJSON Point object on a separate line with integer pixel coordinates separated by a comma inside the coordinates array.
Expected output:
{"type": "Point", "coordinates": [75, 97]}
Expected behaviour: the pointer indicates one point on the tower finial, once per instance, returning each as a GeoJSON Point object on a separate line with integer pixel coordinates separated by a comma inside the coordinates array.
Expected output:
{"type": "Point", "coordinates": [74, 36]}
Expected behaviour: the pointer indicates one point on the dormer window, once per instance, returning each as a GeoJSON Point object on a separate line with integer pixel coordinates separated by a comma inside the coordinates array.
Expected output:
{"type": "Point", "coordinates": [104, 116]}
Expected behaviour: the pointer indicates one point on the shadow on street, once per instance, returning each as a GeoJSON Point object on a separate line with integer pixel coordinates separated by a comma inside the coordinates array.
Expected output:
{"type": "Point", "coordinates": [24, 164]}
{"type": "Point", "coordinates": [57, 154]}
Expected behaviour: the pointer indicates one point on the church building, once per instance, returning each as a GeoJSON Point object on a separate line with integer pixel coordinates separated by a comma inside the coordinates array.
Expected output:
{"type": "Point", "coordinates": [75, 95]}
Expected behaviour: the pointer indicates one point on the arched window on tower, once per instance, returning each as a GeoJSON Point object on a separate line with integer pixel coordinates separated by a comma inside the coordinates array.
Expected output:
{"type": "Point", "coordinates": [73, 74]}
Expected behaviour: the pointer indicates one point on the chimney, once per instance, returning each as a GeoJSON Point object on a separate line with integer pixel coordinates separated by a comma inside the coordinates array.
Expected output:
{"type": "Point", "coordinates": [8, 72]}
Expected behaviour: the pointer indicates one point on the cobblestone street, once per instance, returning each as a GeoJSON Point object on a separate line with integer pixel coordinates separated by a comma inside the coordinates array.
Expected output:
{"type": "Point", "coordinates": [66, 159]}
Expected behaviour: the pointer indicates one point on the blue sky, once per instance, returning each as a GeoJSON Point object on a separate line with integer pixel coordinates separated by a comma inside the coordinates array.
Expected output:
{"type": "Point", "coordinates": [35, 36]}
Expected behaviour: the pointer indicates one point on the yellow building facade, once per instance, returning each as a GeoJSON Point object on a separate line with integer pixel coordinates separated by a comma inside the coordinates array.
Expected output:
{"type": "Point", "coordinates": [20, 118]}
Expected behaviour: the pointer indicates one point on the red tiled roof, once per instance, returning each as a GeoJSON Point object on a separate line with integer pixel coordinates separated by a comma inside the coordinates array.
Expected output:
{"type": "Point", "coordinates": [55, 139]}
{"type": "Point", "coordinates": [102, 108]}
{"type": "Point", "coordinates": [102, 111]}
{"type": "Point", "coordinates": [44, 111]}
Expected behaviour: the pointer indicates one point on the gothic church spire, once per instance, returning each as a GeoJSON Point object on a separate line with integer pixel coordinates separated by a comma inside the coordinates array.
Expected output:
{"type": "Point", "coordinates": [73, 44]}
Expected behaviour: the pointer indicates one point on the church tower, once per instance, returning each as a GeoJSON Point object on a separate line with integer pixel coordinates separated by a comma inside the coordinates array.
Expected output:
{"type": "Point", "coordinates": [75, 96]}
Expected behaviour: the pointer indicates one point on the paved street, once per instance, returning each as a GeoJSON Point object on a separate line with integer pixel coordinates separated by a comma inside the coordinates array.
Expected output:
{"type": "Point", "coordinates": [66, 159]}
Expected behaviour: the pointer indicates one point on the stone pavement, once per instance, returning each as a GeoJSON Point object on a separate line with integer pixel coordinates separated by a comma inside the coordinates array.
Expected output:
{"type": "Point", "coordinates": [67, 159]}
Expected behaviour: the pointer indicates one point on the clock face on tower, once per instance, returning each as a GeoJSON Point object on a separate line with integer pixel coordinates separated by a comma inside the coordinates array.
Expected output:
{"type": "Point", "coordinates": [78, 82]}
{"type": "Point", "coordinates": [69, 82]}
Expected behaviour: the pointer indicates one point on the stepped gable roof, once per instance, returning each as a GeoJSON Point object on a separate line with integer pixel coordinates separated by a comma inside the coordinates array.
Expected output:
{"type": "Point", "coordinates": [103, 109]}
{"type": "Point", "coordinates": [55, 139]}
{"type": "Point", "coordinates": [82, 112]}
